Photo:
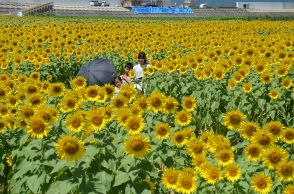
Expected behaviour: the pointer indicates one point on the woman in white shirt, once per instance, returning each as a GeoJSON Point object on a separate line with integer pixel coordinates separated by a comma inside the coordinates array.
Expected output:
{"type": "Point", "coordinates": [142, 63]}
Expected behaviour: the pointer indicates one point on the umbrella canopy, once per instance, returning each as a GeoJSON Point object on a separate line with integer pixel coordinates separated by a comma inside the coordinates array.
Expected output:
{"type": "Point", "coordinates": [98, 71]}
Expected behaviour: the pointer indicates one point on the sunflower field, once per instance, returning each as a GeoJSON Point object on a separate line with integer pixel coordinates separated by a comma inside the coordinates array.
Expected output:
{"type": "Point", "coordinates": [216, 115]}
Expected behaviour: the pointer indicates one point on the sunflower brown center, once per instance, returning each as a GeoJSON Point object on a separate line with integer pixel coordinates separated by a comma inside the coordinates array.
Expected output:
{"type": "Point", "coordinates": [287, 170]}
{"type": "Point", "coordinates": [180, 138]}
{"type": "Point", "coordinates": [250, 130]}
{"type": "Point", "coordinates": [289, 135]}
{"type": "Point", "coordinates": [183, 117]}
{"type": "Point", "coordinates": [76, 123]}
{"type": "Point", "coordinates": [35, 100]}
{"type": "Point", "coordinates": [235, 119]}
{"type": "Point", "coordinates": [233, 172]}
{"type": "Point", "coordinates": [2, 92]}
{"type": "Point", "coordinates": [56, 89]}
{"type": "Point", "coordinates": [79, 82]}
{"type": "Point", "coordinates": [225, 157]}
{"type": "Point", "coordinates": [137, 145]}
{"type": "Point", "coordinates": [38, 127]}
{"type": "Point", "coordinates": [274, 129]}
{"type": "Point", "coordinates": [188, 103]}
{"type": "Point", "coordinates": [92, 93]}
{"type": "Point", "coordinates": [274, 157]}
{"type": "Point", "coordinates": [162, 131]}
{"type": "Point", "coordinates": [119, 103]}
{"type": "Point", "coordinates": [172, 179]}
{"type": "Point", "coordinates": [254, 151]}
{"type": "Point", "coordinates": [70, 103]}
{"type": "Point", "coordinates": [264, 140]}
{"type": "Point", "coordinates": [71, 147]}
{"type": "Point", "coordinates": [156, 102]}
{"type": "Point", "coordinates": [134, 125]}
{"type": "Point", "coordinates": [197, 148]}
{"type": "Point", "coordinates": [97, 120]}
{"type": "Point", "coordinates": [186, 183]}
{"type": "Point", "coordinates": [2, 125]}
{"type": "Point", "coordinates": [261, 184]}
{"type": "Point", "coordinates": [32, 89]}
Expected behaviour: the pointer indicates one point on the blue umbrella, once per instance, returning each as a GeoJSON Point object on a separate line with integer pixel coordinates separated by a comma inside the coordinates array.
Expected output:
{"type": "Point", "coordinates": [98, 71]}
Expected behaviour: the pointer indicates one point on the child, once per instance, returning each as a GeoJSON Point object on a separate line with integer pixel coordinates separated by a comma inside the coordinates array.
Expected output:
{"type": "Point", "coordinates": [117, 83]}
{"type": "Point", "coordinates": [125, 77]}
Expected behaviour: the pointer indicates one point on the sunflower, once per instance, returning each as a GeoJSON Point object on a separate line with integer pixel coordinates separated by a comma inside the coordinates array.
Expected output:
{"type": "Point", "coordinates": [118, 102]}
{"type": "Point", "coordinates": [274, 156]}
{"type": "Point", "coordinates": [178, 138]}
{"type": "Point", "coordinates": [156, 101]}
{"type": "Point", "coordinates": [31, 88]}
{"type": "Point", "coordinates": [170, 105]}
{"type": "Point", "coordinates": [75, 122]}
{"type": "Point", "coordinates": [196, 148]}
{"type": "Point", "coordinates": [137, 145]}
{"type": "Point", "coordinates": [286, 83]}
{"type": "Point", "coordinates": [233, 119]}
{"type": "Point", "coordinates": [273, 94]}
{"type": "Point", "coordinates": [136, 110]}
{"type": "Point", "coordinates": [263, 138]}
{"type": "Point", "coordinates": [183, 118]}
{"type": "Point", "coordinates": [219, 73]}
{"type": "Point", "coordinates": [3, 110]}
{"type": "Point", "coordinates": [70, 103]}
{"type": "Point", "coordinates": [285, 171]}
{"type": "Point", "coordinates": [185, 184]}
{"type": "Point", "coordinates": [128, 91]}
{"type": "Point", "coordinates": [169, 178]}
{"type": "Point", "coordinates": [282, 70]}
{"type": "Point", "coordinates": [78, 82]}
{"type": "Point", "coordinates": [37, 128]}
{"type": "Point", "coordinates": [275, 128]}
{"type": "Point", "coordinates": [289, 189]}
{"type": "Point", "coordinates": [56, 89]}
{"type": "Point", "coordinates": [266, 78]}
{"type": "Point", "coordinates": [36, 100]}
{"type": "Point", "coordinates": [35, 76]}
{"type": "Point", "coordinates": [3, 124]}
{"type": "Point", "coordinates": [189, 134]}
{"type": "Point", "coordinates": [189, 103]}
{"type": "Point", "coordinates": [26, 112]}
{"type": "Point", "coordinates": [45, 113]}
{"type": "Point", "coordinates": [122, 116]}
{"type": "Point", "coordinates": [247, 87]}
{"type": "Point", "coordinates": [253, 152]}
{"type": "Point", "coordinates": [91, 93]}
{"type": "Point", "coordinates": [232, 172]}
{"type": "Point", "coordinates": [70, 148]}
{"type": "Point", "coordinates": [12, 101]}
{"type": "Point", "coordinates": [198, 160]}
{"type": "Point", "coordinates": [141, 102]}
{"type": "Point", "coordinates": [261, 183]}
{"type": "Point", "coordinates": [288, 136]}
{"type": "Point", "coordinates": [232, 83]}
{"type": "Point", "coordinates": [134, 125]}
{"type": "Point", "coordinates": [211, 173]}
{"type": "Point", "coordinates": [109, 88]}
{"type": "Point", "coordinates": [225, 157]}
{"type": "Point", "coordinates": [96, 119]}
{"type": "Point", "coordinates": [248, 129]}
{"type": "Point", "coordinates": [162, 131]}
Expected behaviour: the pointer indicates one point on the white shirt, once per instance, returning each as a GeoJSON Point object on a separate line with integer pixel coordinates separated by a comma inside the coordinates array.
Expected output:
{"type": "Point", "coordinates": [139, 70]}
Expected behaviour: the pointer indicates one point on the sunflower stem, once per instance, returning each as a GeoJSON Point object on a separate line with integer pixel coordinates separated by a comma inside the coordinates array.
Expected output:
{"type": "Point", "coordinates": [43, 150]}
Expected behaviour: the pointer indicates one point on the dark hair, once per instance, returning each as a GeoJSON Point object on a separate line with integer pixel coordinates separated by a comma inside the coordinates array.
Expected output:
{"type": "Point", "coordinates": [129, 65]}
{"type": "Point", "coordinates": [142, 55]}
{"type": "Point", "coordinates": [116, 77]}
